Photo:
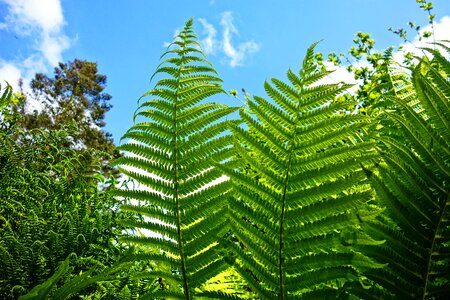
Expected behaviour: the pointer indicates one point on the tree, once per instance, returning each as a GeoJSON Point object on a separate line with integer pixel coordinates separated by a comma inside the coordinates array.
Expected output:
{"type": "Point", "coordinates": [74, 95]}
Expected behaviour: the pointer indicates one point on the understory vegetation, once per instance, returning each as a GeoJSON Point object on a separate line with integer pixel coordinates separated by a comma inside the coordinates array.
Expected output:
{"type": "Point", "coordinates": [308, 192]}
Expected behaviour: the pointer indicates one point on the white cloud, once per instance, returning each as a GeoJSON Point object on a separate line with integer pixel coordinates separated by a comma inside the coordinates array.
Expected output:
{"type": "Point", "coordinates": [235, 54]}
{"type": "Point", "coordinates": [442, 29]}
{"type": "Point", "coordinates": [209, 43]}
{"type": "Point", "coordinates": [42, 18]}
{"type": "Point", "coordinates": [40, 22]}
{"type": "Point", "coordinates": [26, 14]}
{"type": "Point", "coordinates": [11, 73]}
{"type": "Point", "coordinates": [53, 46]}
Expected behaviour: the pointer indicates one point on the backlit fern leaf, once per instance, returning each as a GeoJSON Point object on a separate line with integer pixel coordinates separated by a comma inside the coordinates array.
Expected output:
{"type": "Point", "coordinates": [413, 184]}
{"type": "Point", "coordinates": [171, 153]}
{"type": "Point", "coordinates": [301, 195]}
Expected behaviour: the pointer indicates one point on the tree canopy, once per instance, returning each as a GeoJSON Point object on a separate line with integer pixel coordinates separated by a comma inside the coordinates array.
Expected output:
{"type": "Point", "coordinates": [74, 95]}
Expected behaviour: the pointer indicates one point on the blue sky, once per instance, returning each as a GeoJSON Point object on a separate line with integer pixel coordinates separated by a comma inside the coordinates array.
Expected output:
{"type": "Point", "coordinates": [248, 41]}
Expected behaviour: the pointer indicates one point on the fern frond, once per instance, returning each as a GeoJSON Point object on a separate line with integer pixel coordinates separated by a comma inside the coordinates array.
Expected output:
{"type": "Point", "coordinates": [413, 183]}
{"type": "Point", "coordinates": [293, 199]}
{"type": "Point", "coordinates": [172, 154]}
{"type": "Point", "coordinates": [5, 95]}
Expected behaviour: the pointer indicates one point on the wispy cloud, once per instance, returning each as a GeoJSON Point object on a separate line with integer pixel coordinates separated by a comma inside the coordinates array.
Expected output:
{"type": "Point", "coordinates": [235, 54]}
{"type": "Point", "coordinates": [40, 23]}
{"type": "Point", "coordinates": [209, 43]}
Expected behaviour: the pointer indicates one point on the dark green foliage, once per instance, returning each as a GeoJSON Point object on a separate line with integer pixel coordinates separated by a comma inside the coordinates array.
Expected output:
{"type": "Point", "coordinates": [297, 213]}
{"type": "Point", "coordinates": [413, 184]}
{"type": "Point", "coordinates": [171, 154]}
{"type": "Point", "coordinates": [42, 290]}
{"type": "Point", "coordinates": [113, 282]}
{"type": "Point", "coordinates": [50, 207]}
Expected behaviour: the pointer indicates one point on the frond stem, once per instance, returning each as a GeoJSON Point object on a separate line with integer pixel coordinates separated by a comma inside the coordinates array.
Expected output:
{"type": "Point", "coordinates": [441, 216]}
{"type": "Point", "coordinates": [176, 188]}
{"type": "Point", "coordinates": [281, 243]}
{"type": "Point", "coordinates": [283, 293]}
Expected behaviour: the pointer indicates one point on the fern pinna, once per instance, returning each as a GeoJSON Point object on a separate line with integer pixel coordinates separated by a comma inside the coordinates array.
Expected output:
{"type": "Point", "coordinates": [413, 183]}
{"type": "Point", "coordinates": [171, 154]}
{"type": "Point", "coordinates": [300, 192]}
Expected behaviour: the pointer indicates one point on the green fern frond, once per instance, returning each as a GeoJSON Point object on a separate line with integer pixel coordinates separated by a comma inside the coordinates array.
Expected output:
{"type": "Point", "coordinates": [5, 95]}
{"type": "Point", "coordinates": [413, 183]}
{"type": "Point", "coordinates": [42, 291]}
{"type": "Point", "coordinates": [172, 155]}
{"type": "Point", "coordinates": [293, 198]}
